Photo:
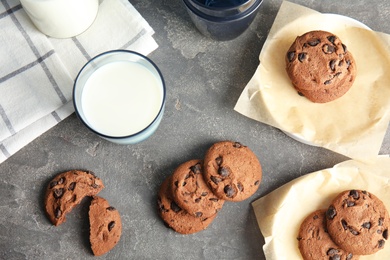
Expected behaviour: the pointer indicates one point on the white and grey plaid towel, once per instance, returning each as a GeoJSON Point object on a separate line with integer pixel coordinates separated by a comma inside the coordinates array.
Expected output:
{"type": "Point", "coordinates": [37, 72]}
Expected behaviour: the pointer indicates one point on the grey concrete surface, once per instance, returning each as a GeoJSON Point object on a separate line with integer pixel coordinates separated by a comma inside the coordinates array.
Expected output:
{"type": "Point", "coordinates": [204, 80]}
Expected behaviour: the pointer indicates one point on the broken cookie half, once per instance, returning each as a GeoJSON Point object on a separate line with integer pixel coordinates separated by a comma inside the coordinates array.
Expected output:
{"type": "Point", "coordinates": [105, 226]}
{"type": "Point", "coordinates": [67, 190]}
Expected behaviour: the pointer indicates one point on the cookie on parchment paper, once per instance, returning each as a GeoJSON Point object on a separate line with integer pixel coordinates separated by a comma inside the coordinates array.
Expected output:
{"type": "Point", "coordinates": [358, 221]}
{"type": "Point", "coordinates": [320, 66]}
{"type": "Point", "coordinates": [314, 242]}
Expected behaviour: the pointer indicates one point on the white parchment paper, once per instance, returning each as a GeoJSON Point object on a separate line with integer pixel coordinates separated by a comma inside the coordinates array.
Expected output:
{"type": "Point", "coordinates": [353, 125]}
{"type": "Point", "coordinates": [281, 212]}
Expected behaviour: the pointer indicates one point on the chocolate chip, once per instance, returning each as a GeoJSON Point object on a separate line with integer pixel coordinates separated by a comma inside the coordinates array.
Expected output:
{"type": "Point", "coordinates": [354, 194]}
{"type": "Point", "coordinates": [328, 49]}
{"type": "Point", "coordinates": [160, 205]}
{"type": "Point", "coordinates": [53, 183]}
{"type": "Point", "coordinates": [61, 180]}
{"type": "Point", "coordinates": [331, 212]}
{"type": "Point", "coordinates": [204, 193]}
{"type": "Point", "coordinates": [175, 207]}
{"type": "Point", "coordinates": [314, 42]}
{"type": "Point", "coordinates": [218, 160]}
{"type": "Point", "coordinates": [332, 251]}
{"type": "Point", "coordinates": [111, 225]}
{"type": "Point", "coordinates": [327, 82]}
{"type": "Point", "coordinates": [344, 47]}
{"type": "Point", "coordinates": [215, 179]}
{"type": "Point", "coordinates": [214, 199]}
{"type": "Point", "coordinates": [257, 182]}
{"type": "Point", "coordinates": [196, 168]}
{"type": "Point", "coordinates": [110, 208]}
{"type": "Point", "coordinates": [198, 214]}
{"type": "Point", "coordinates": [354, 232]}
{"type": "Point", "coordinates": [240, 187]}
{"type": "Point", "coordinates": [197, 200]}
{"type": "Point", "coordinates": [291, 56]}
{"type": "Point", "coordinates": [349, 203]}
{"type": "Point", "coordinates": [366, 225]}
{"type": "Point", "coordinates": [57, 212]}
{"type": "Point", "coordinates": [380, 221]}
{"type": "Point", "coordinates": [385, 234]}
{"type": "Point", "coordinates": [349, 256]}
{"type": "Point", "coordinates": [331, 38]}
{"type": "Point", "coordinates": [95, 186]}
{"type": "Point", "coordinates": [229, 191]}
{"type": "Point", "coordinates": [237, 145]}
{"type": "Point", "coordinates": [89, 172]}
{"type": "Point", "coordinates": [332, 64]}
{"type": "Point", "coordinates": [223, 171]}
{"type": "Point", "coordinates": [57, 193]}
{"type": "Point", "coordinates": [348, 63]}
{"type": "Point", "coordinates": [176, 183]}
{"type": "Point", "coordinates": [72, 186]}
{"type": "Point", "coordinates": [315, 217]}
{"type": "Point", "coordinates": [381, 243]}
{"type": "Point", "coordinates": [301, 94]}
{"type": "Point", "coordinates": [302, 56]}
{"type": "Point", "coordinates": [344, 224]}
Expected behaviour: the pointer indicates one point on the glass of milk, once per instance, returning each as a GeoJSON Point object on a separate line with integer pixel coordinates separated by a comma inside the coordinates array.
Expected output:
{"type": "Point", "coordinates": [120, 96]}
{"type": "Point", "coordinates": [61, 18]}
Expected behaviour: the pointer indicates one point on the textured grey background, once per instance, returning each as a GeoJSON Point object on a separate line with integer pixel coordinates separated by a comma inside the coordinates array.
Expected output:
{"type": "Point", "coordinates": [204, 80]}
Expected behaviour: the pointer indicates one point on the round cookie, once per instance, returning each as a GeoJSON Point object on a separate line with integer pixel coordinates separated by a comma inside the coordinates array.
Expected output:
{"type": "Point", "coordinates": [232, 171]}
{"type": "Point", "coordinates": [67, 190]}
{"type": "Point", "coordinates": [191, 192]}
{"type": "Point", "coordinates": [320, 66]}
{"type": "Point", "coordinates": [175, 217]}
{"type": "Point", "coordinates": [314, 242]}
{"type": "Point", "coordinates": [358, 222]}
{"type": "Point", "coordinates": [105, 226]}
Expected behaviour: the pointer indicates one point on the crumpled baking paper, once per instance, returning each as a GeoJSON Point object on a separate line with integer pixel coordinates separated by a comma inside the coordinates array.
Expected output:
{"type": "Point", "coordinates": [353, 125]}
{"type": "Point", "coordinates": [281, 212]}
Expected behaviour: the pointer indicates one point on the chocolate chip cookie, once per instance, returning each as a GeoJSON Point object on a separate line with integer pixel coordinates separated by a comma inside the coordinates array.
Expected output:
{"type": "Point", "coordinates": [105, 226]}
{"type": "Point", "coordinates": [315, 243]}
{"type": "Point", "coordinates": [67, 190]}
{"type": "Point", "coordinates": [358, 222]}
{"type": "Point", "coordinates": [191, 192]}
{"type": "Point", "coordinates": [175, 217]}
{"type": "Point", "coordinates": [320, 66]}
{"type": "Point", "coordinates": [232, 171]}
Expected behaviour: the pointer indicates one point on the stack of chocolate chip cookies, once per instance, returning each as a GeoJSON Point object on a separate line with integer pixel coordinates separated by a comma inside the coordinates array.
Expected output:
{"type": "Point", "coordinates": [356, 223]}
{"type": "Point", "coordinates": [190, 198]}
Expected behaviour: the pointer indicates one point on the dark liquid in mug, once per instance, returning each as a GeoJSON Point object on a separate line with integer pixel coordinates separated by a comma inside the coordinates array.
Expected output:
{"type": "Point", "coordinates": [222, 3]}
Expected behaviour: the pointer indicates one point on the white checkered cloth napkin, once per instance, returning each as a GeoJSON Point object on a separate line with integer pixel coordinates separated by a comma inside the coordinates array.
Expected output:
{"type": "Point", "coordinates": [37, 72]}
